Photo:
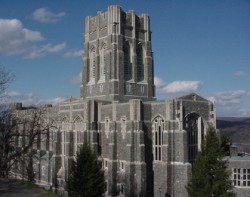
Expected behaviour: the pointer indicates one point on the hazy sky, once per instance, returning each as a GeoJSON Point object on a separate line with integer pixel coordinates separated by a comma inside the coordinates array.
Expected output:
{"type": "Point", "coordinates": [199, 46]}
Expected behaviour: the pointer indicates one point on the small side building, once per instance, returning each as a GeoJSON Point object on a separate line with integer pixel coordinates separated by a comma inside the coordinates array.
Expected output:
{"type": "Point", "coordinates": [239, 166]}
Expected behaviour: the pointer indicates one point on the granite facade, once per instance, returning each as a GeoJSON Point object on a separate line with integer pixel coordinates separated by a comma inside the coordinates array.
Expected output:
{"type": "Point", "coordinates": [144, 144]}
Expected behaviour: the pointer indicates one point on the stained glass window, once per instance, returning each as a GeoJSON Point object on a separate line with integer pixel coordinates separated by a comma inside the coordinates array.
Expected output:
{"type": "Point", "coordinates": [158, 127]}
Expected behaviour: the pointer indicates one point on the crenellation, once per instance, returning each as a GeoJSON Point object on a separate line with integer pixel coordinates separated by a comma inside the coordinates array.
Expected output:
{"type": "Point", "coordinates": [92, 25]}
{"type": "Point", "coordinates": [115, 39]}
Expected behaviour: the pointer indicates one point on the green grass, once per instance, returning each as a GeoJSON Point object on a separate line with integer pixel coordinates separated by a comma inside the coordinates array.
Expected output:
{"type": "Point", "coordinates": [29, 184]}
{"type": "Point", "coordinates": [37, 187]}
{"type": "Point", "coordinates": [51, 194]}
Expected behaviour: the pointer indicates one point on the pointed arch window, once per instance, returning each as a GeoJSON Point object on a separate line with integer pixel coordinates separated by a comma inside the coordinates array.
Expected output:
{"type": "Point", "coordinates": [127, 63]}
{"type": "Point", "coordinates": [92, 65]}
{"type": "Point", "coordinates": [194, 126]}
{"type": "Point", "coordinates": [140, 63]}
{"type": "Point", "coordinates": [102, 70]}
{"type": "Point", "coordinates": [65, 124]}
{"type": "Point", "coordinates": [158, 128]}
{"type": "Point", "coordinates": [79, 125]}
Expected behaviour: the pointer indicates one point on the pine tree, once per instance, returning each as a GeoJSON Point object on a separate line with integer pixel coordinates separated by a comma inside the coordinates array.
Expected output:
{"type": "Point", "coordinates": [86, 178]}
{"type": "Point", "coordinates": [210, 175]}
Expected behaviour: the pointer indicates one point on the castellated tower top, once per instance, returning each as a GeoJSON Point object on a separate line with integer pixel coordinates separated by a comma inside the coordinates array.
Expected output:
{"type": "Point", "coordinates": [117, 58]}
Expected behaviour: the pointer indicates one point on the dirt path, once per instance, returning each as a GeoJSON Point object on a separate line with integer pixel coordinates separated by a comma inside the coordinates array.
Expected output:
{"type": "Point", "coordinates": [15, 189]}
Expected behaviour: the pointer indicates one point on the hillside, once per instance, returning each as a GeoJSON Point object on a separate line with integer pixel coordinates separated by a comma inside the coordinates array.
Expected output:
{"type": "Point", "coordinates": [238, 129]}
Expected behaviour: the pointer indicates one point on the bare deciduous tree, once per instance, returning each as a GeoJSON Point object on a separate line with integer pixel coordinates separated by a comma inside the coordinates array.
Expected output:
{"type": "Point", "coordinates": [19, 132]}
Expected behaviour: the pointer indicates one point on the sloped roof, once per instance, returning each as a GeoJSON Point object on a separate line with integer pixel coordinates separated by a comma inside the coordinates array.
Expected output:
{"type": "Point", "coordinates": [70, 99]}
{"type": "Point", "coordinates": [192, 97]}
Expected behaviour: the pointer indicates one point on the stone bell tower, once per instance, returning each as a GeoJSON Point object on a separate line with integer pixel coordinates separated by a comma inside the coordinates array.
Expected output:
{"type": "Point", "coordinates": [117, 58]}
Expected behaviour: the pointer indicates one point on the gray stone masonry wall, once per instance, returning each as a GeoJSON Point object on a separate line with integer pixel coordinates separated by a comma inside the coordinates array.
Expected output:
{"type": "Point", "coordinates": [181, 173]}
{"type": "Point", "coordinates": [114, 29]}
{"type": "Point", "coordinates": [122, 135]}
{"type": "Point", "coordinates": [122, 145]}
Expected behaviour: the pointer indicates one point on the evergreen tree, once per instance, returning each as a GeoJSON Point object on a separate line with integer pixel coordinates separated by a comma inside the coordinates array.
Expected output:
{"type": "Point", "coordinates": [225, 144]}
{"type": "Point", "coordinates": [210, 176]}
{"type": "Point", "coordinates": [86, 178]}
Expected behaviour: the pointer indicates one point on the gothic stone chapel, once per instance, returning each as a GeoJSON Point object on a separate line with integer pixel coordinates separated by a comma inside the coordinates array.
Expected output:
{"type": "Point", "coordinates": [146, 146]}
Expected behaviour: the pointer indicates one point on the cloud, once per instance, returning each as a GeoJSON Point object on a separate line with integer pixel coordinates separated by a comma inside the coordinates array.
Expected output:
{"type": "Point", "coordinates": [182, 86]}
{"type": "Point", "coordinates": [229, 97]}
{"type": "Point", "coordinates": [73, 53]}
{"type": "Point", "coordinates": [176, 86]}
{"type": "Point", "coordinates": [76, 79]}
{"type": "Point", "coordinates": [12, 94]}
{"type": "Point", "coordinates": [212, 99]}
{"type": "Point", "coordinates": [159, 82]}
{"type": "Point", "coordinates": [243, 112]}
{"type": "Point", "coordinates": [232, 111]}
{"type": "Point", "coordinates": [43, 15]}
{"type": "Point", "coordinates": [228, 103]}
{"type": "Point", "coordinates": [54, 101]}
{"type": "Point", "coordinates": [15, 39]}
{"type": "Point", "coordinates": [239, 73]}
{"type": "Point", "coordinates": [29, 99]}
{"type": "Point", "coordinates": [43, 50]}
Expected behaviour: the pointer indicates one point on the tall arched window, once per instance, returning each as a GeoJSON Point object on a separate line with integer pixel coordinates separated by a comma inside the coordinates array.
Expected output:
{"type": "Point", "coordinates": [195, 135]}
{"type": "Point", "coordinates": [78, 128]}
{"type": "Point", "coordinates": [65, 124]}
{"type": "Point", "coordinates": [158, 128]}
{"type": "Point", "coordinates": [102, 70]}
{"type": "Point", "coordinates": [127, 62]}
{"type": "Point", "coordinates": [92, 65]}
{"type": "Point", "coordinates": [78, 124]}
{"type": "Point", "coordinates": [140, 64]}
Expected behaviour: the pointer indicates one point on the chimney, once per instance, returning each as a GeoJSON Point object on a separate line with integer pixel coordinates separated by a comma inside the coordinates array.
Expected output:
{"type": "Point", "coordinates": [233, 151]}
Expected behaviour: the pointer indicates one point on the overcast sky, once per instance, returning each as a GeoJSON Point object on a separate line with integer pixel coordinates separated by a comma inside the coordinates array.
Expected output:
{"type": "Point", "coordinates": [199, 46]}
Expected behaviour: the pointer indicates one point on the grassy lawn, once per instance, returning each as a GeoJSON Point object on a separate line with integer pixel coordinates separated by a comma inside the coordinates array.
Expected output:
{"type": "Point", "coordinates": [30, 185]}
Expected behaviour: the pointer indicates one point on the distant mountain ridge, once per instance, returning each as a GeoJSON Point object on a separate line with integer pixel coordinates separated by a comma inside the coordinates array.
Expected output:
{"type": "Point", "coordinates": [238, 129]}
